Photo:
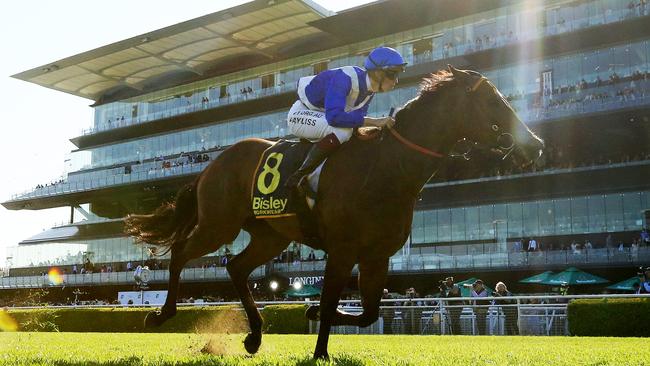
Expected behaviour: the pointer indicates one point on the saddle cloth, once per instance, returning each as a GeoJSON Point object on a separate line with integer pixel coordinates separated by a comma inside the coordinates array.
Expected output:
{"type": "Point", "coordinates": [269, 197]}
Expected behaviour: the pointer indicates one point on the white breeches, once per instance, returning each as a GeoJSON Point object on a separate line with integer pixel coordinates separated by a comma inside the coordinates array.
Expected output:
{"type": "Point", "coordinates": [312, 125]}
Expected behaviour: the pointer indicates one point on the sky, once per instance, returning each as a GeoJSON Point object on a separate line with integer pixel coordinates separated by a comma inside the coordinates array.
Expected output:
{"type": "Point", "coordinates": [36, 123]}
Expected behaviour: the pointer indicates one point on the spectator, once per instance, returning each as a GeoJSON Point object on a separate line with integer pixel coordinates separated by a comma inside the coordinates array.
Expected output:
{"type": "Point", "coordinates": [74, 269]}
{"type": "Point", "coordinates": [609, 241]}
{"type": "Point", "coordinates": [644, 281]}
{"type": "Point", "coordinates": [510, 313]}
{"type": "Point", "coordinates": [516, 247]}
{"type": "Point", "coordinates": [532, 245]}
{"type": "Point", "coordinates": [645, 237]}
{"type": "Point", "coordinates": [454, 309]}
{"type": "Point", "coordinates": [480, 309]}
{"type": "Point", "coordinates": [387, 314]}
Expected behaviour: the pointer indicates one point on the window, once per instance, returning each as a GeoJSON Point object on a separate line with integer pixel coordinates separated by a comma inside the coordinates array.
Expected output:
{"type": "Point", "coordinates": [422, 46]}
{"type": "Point", "coordinates": [614, 212]}
{"type": "Point", "coordinates": [268, 81]}
{"type": "Point", "coordinates": [320, 67]}
{"type": "Point", "coordinates": [579, 215]}
{"type": "Point", "coordinates": [632, 215]}
{"type": "Point", "coordinates": [596, 206]}
{"type": "Point", "coordinates": [530, 219]}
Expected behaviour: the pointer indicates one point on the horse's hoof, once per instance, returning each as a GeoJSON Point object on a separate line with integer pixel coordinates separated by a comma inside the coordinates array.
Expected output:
{"type": "Point", "coordinates": [152, 320]}
{"type": "Point", "coordinates": [252, 342]}
{"type": "Point", "coordinates": [313, 313]}
{"type": "Point", "coordinates": [156, 319]}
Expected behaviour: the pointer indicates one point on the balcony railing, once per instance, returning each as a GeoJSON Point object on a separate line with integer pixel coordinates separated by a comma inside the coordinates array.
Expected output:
{"type": "Point", "coordinates": [398, 264]}
{"type": "Point", "coordinates": [117, 278]}
{"type": "Point", "coordinates": [518, 260]}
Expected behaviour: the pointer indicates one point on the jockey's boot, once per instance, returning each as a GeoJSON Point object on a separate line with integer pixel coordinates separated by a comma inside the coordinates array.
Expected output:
{"type": "Point", "coordinates": [319, 151]}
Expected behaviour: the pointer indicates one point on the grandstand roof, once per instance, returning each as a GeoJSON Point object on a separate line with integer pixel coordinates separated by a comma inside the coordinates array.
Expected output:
{"type": "Point", "coordinates": [255, 32]}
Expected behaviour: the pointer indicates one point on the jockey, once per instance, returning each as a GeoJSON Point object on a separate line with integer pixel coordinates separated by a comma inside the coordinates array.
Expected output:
{"type": "Point", "coordinates": [334, 102]}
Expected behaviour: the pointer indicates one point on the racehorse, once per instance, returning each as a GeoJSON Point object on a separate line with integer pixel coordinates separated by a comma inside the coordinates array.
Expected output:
{"type": "Point", "coordinates": [365, 201]}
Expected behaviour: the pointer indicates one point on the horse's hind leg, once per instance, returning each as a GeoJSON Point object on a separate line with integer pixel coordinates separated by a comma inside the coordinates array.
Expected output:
{"type": "Point", "coordinates": [202, 241]}
{"type": "Point", "coordinates": [265, 244]}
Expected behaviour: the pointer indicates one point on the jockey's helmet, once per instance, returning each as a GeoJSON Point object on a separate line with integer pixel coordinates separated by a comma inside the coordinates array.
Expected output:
{"type": "Point", "coordinates": [385, 58]}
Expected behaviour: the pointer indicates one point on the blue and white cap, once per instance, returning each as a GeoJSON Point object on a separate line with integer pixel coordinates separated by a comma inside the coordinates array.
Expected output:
{"type": "Point", "coordinates": [383, 58]}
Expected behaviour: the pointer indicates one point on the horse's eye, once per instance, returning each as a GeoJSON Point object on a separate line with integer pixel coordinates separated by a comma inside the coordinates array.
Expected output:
{"type": "Point", "coordinates": [495, 128]}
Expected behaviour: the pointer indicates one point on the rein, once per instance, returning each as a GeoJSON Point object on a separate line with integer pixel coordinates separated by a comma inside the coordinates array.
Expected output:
{"type": "Point", "coordinates": [414, 146]}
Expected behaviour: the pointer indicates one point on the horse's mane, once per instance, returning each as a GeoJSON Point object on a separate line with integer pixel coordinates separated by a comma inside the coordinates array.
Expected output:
{"type": "Point", "coordinates": [430, 87]}
{"type": "Point", "coordinates": [437, 80]}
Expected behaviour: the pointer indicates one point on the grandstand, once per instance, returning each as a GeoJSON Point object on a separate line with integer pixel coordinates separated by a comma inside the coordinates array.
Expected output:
{"type": "Point", "coordinates": [167, 102]}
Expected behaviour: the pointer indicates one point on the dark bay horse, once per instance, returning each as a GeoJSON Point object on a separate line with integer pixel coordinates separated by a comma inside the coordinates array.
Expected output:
{"type": "Point", "coordinates": [365, 203]}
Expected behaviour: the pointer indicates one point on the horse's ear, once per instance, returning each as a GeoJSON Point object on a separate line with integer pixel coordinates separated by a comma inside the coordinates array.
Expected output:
{"type": "Point", "coordinates": [454, 71]}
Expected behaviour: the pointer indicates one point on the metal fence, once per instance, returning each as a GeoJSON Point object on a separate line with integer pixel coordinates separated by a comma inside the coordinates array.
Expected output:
{"type": "Point", "coordinates": [517, 315]}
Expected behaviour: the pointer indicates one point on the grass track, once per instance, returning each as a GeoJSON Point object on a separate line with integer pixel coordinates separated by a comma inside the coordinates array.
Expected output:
{"type": "Point", "coordinates": [186, 349]}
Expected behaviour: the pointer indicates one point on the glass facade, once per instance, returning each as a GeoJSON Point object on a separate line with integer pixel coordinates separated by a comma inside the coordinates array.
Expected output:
{"type": "Point", "coordinates": [520, 81]}
{"type": "Point", "coordinates": [446, 231]}
{"type": "Point", "coordinates": [472, 33]}
{"type": "Point", "coordinates": [550, 217]}
{"type": "Point", "coordinates": [111, 250]}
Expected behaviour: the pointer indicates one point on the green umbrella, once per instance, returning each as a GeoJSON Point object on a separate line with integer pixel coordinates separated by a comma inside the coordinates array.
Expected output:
{"type": "Point", "coordinates": [538, 278]}
{"type": "Point", "coordinates": [467, 291]}
{"type": "Point", "coordinates": [304, 291]}
{"type": "Point", "coordinates": [626, 285]}
{"type": "Point", "coordinates": [573, 276]}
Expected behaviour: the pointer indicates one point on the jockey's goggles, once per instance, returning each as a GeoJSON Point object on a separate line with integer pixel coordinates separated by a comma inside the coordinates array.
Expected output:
{"type": "Point", "coordinates": [392, 73]}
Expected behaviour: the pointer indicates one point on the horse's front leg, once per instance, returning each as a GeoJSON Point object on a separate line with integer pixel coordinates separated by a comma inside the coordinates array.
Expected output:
{"type": "Point", "coordinates": [337, 272]}
{"type": "Point", "coordinates": [264, 245]}
{"type": "Point", "coordinates": [372, 278]}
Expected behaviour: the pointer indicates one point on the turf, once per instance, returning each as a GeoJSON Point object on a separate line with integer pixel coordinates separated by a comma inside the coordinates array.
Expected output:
{"type": "Point", "coordinates": [192, 349]}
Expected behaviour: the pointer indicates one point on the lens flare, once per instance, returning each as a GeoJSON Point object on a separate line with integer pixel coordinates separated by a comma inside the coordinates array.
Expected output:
{"type": "Point", "coordinates": [7, 323]}
{"type": "Point", "coordinates": [55, 276]}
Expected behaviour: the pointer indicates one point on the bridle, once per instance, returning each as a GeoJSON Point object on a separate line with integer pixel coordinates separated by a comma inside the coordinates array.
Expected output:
{"type": "Point", "coordinates": [502, 145]}
{"type": "Point", "coordinates": [505, 142]}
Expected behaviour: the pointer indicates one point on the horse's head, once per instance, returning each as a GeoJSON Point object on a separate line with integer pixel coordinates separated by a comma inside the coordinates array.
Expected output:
{"type": "Point", "coordinates": [488, 122]}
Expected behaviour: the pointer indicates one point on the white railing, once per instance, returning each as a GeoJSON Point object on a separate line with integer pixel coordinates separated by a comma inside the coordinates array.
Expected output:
{"type": "Point", "coordinates": [515, 315]}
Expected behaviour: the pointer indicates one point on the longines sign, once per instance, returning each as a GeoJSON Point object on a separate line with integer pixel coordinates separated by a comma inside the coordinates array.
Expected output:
{"type": "Point", "coordinates": [309, 280]}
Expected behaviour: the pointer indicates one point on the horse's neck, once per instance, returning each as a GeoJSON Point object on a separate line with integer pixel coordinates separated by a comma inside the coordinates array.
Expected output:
{"type": "Point", "coordinates": [408, 168]}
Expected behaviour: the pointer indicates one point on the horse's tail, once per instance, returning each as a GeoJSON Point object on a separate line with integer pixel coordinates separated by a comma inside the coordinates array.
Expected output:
{"type": "Point", "coordinates": [170, 224]}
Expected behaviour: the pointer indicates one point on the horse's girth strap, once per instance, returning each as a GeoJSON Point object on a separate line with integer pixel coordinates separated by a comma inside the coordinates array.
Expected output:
{"type": "Point", "coordinates": [413, 146]}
